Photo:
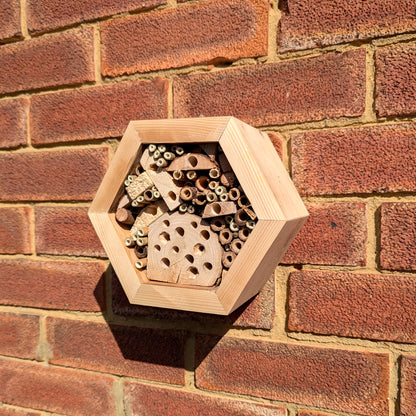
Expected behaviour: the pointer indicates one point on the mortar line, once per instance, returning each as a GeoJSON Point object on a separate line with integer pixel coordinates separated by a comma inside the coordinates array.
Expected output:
{"type": "Point", "coordinates": [23, 20]}
{"type": "Point", "coordinates": [274, 17]}
{"type": "Point", "coordinates": [369, 113]}
{"type": "Point", "coordinates": [32, 228]}
{"type": "Point", "coordinates": [97, 54]}
{"type": "Point", "coordinates": [372, 234]}
{"type": "Point", "coordinates": [189, 360]}
{"type": "Point", "coordinates": [118, 394]}
{"type": "Point", "coordinates": [394, 383]}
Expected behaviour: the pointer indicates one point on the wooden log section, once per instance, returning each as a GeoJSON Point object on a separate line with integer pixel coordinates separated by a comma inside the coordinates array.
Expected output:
{"type": "Point", "coordinates": [216, 209]}
{"type": "Point", "coordinates": [124, 201]}
{"type": "Point", "coordinates": [191, 161]}
{"type": "Point", "coordinates": [149, 214]}
{"type": "Point", "coordinates": [183, 250]}
{"type": "Point", "coordinates": [124, 216]}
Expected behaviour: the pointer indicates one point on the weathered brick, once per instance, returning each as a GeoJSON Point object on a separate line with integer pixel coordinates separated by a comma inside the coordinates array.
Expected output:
{"type": "Point", "coordinates": [309, 24]}
{"type": "Point", "coordinates": [396, 80]}
{"type": "Point", "coordinates": [408, 386]}
{"type": "Point", "coordinates": [358, 160]}
{"type": "Point", "coordinates": [312, 413]}
{"type": "Point", "coordinates": [277, 143]}
{"type": "Point", "coordinates": [57, 175]}
{"type": "Point", "coordinates": [309, 89]}
{"type": "Point", "coordinates": [19, 335]}
{"type": "Point", "coordinates": [335, 379]}
{"type": "Point", "coordinates": [137, 352]}
{"type": "Point", "coordinates": [13, 122]}
{"type": "Point", "coordinates": [10, 19]}
{"type": "Point", "coordinates": [43, 15]}
{"type": "Point", "coordinates": [97, 112]}
{"type": "Point", "coordinates": [14, 230]}
{"type": "Point", "coordinates": [256, 313]}
{"type": "Point", "coordinates": [368, 306]}
{"type": "Point", "coordinates": [9, 411]}
{"type": "Point", "coordinates": [50, 61]}
{"type": "Point", "coordinates": [52, 284]}
{"type": "Point", "coordinates": [69, 392]}
{"type": "Point", "coordinates": [146, 400]}
{"type": "Point", "coordinates": [398, 236]}
{"type": "Point", "coordinates": [214, 31]}
{"type": "Point", "coordinates": [334, 234]}
{"type": "Point", "coordinates": [66, 230]}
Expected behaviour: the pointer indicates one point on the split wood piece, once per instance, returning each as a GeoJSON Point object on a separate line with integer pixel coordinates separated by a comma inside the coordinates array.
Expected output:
{"type": "Point", "coordinates": [124, 201]}
{"type": "Point", "coordinates": [148, 214]}
{"type": "Point", "coordinates": [124, 216]}
{"type": "Point", "coordinates": [216, 209]}
{"type": "Point", "coordinates": [147, 161]}
{"type": "Point", "coordinates": [224, 163]}
{"type": "Point", "coordinates": [228, 179]}
{"type": "Point", "coordinates": [183, 250]}
{"type": "Point", "coordinates": [236, 245]}
{"type": "Point", "coordinates": [139, 185]}
{"type": "Point", "coordinates": [227, 259]}
{"type": "Point", "coordinates": [211, 149]}
{"type": "Point", "coordinates": [188, 193]}
{"type": "Point", "coordinates": [225, 236]}
{"type": "Point", "coordinates": [167, 187]}
{"type": "Point", "coordinates": [191, 161]}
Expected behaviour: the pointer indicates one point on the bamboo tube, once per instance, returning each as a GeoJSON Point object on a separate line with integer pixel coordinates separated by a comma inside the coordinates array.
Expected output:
{"type": "Point", "coordinates": [161, 163]}
{"type": "Point", "coordinates": [225, 236]}
{"type": "Point", "coordinates": [161, 148]}
{"type": "Point", "coordinates": [250, 224]}
{"type": "Point", "coordinates": [183, 208]}
{"type": "Point", "coordinates": [243, 201]}
{"type": "Point", "coordinates": [142, 232]}
{"type": "Point", "coordinates": [219, 190]}
{"type": "Point", "coordinates": [227, 259]}
{"type": "Point", "coordinates": [241, 217]}
{"type": "Point", "coordinates": [127, 182]}
{"type": "Point", "coordinates": [200, 199]}
{"type": "Point", "coordinates": [234, 227]}
{"type": "Point", "coordinates": [236, 245]}
{"type": "Point", "coordinates": [217, 224]}
{"type": "Point", "coordinates": [141, 264]}
{"type": "Point", "coordinates": [223, 197]}
{"type": "Point", "coordinates": [212, 197]}
{"type": "Point", "coordinates": [149, 196]}
{"type": "Point", "coordinates": [124, 216]}
{"type": "Point", "coordinates": [129, 242]}
{"type": "Point", "coordinates": [179, 151]}
{"type": "Point", "coordinates": [214, 173]}
{"type": "Point", "coordinates": [179, 175]}
{"type": "Point", "coordinates": [142, 241]}
{"type": "Point", "coordinates": [228, 219]}
{"type": "Point", "coordinates": [191, 175]}
{"type": "Point", "coordinates": [188, 193]}
{"type": "Point", "coordinates": [213, 184]}
{"type": "Point", "coordinates": [168, 155]}
{"type": "Point", "coordinates": [157, 154]}
{"type": "Point", "coordinates": [191, 209]}
{"type": "Point", "coordinates": [234, 194]}
{"type": "Point", "coordinates": [152, 147]}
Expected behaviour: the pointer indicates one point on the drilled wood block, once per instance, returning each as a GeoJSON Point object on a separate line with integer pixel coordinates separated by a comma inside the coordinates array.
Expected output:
{"type": "Point", "coordinates": [167, 187]}
{"type": "Point", "coordinates": [140, 184]}
{"type": "Point", "coordinates": [147, 215]}
{"type": "Point", "coordinates": [192, 161]}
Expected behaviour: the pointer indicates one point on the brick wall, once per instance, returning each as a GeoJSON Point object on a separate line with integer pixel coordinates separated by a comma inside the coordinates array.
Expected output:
{"type": "Point", "coordinates": [334, 84]}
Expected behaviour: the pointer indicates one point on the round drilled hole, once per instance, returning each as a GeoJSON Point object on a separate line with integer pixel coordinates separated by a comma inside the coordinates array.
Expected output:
{"type": "Point", "coordinates": [194, 224]}
{"type": "Point", "coordinates": [175, 249]}
{"type": "Point", "coordinates": [199, 249]}
{"type": "Point", "coordinates": [151, 209]}
{"type": "Point", "coordinates": [192, 273]}
{"type": "Point", "coordinates": [165, 261]}
{"type": "Point", "coordinates": [166, 223]}
{"type": "Point", "coordinates": [172, 195]}
{"type": "Point", "coordinates": [229, 258]}
{"type": "Point", "coordinates": [246, 232]}
{"type": "Point", "coordinates": [216, 208]}
{"type": "Point", "coordinates": [180, 231]}
{"type": "Point", "coordinates": [190, 258]}
{"type": "Point", "coordinates": [208, 266]}
{"type": "Point", "coordinates": [164, 237]}
{"type": "Point", "coordinates": [226, 235]}
{"type": "Point", "coordinates": [205, 234]}
{"type": "Point", "coordinates": [157, 247]}
{"type": "Point", "coordinates": [238, 245]}
{"type": "Point", "coordinates": [193, 161]}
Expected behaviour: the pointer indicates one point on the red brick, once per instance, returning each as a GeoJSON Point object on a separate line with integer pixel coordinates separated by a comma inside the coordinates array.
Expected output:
{"type": "Point", "coordinates": [396, 80]}
{"type": "Point", "coordinates": [53, 60]}
{"type": "Point", "coordinates": [312, 413]}
{"type": "Point", "coordinates": [10, 19]}
{"type": "Point", "coordinates": [19, 335]}
{"type": "Point", "coordinates": [57, 175]}
{"type": "Point", "coordinates": [334, 234]}
{"type": "Point", "coordinates": [96, 113]}
{"type": "Point", "coordinates": [256, 313]}
{"type": "Point", "coordinates": [348, 381]}
{"type": "Point", "coordinates": [14, 230]}
{"type": "Point", "coordinates": [66, 230]}
{"type": "Point", "coordinates": [137, 352]}
{"type": "Point", "coordinates": [214, 31]}
{"type": "Point", "coordinates": [398, 235]}
{"type": "Point", "coordinates": [360, 160]}
{"type": "Point", "coordinates": [59, 390]}
{"type": "Point", "coordinates": [52, 284]}
{"type": "Point", "coordinates": [9, 411]}
{"type": "Point", "coordinates": [145, 400]}
{"type": "Point", "coordinates": [277, 143]}
{"type": "Point", "coordinates": [408, 386]}
{"type": "Point", "coordinates": [13, 122]}
{"type": "Point", "coordinates": [370, 306]}
{"type": "Point", "coordinates": [45, 15]}
{"type": "Point", "coordinates": [310, 24]}
{"type": "Point", "coordinates": [309, 89]}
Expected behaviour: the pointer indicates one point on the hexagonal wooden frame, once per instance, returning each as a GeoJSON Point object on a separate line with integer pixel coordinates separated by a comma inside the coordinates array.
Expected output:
{"type": "Point", "coordinates": [279, 208]}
